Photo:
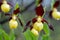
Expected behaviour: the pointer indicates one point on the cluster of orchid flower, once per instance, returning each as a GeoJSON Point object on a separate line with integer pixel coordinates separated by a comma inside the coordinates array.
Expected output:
{"type": "Point", "coordinates": [36, 23]}
{"type": "Point", "coordinates": [6, 7]}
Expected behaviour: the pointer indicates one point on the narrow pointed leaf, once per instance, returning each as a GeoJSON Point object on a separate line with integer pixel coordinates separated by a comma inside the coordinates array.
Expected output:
{"type": "Point", "coordinates": [5, 35]}
{"type": "Point", "coordinates": [27, 35]}
{"type": "Point", "coordinates": [46, 29]}
{"type": "Point", "coordinates": [38, 2]}
{"type": "Point", "coordinates": [16, 6]}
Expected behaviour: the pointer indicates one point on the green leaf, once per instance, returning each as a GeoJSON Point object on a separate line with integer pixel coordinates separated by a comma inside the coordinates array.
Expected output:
{"type": "Point", "coordinates": [45, 37]}
{"type": "Point", "coordinates": [16, 6]}
{"type": "Point", "coordinates": [1, 35]}
{"type": "Point", "coordinates": [46, 29]}
{"type": "Point", "coordinates": [12, 36]}
{"type": "Point", "coordinates": [5, 35]}
{"type": "Point", "coordinates": [33, 36]}
{"type": "Point", "coordinates": [29, 36]}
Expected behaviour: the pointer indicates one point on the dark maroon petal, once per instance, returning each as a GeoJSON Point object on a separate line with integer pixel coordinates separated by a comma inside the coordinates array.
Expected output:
{"type": "Point", "coordinates": [16, 11]}
{"type": "Point", "coordinates": [44, 20]}
{"type": "Point", "coordinates": [0, 6]}
{"type": "Point", "coordinates": [34, 20]}
{"type": "Point", "coordinates": [7, 14]}
{"type": "Point", "coordinates": [20, 21]}
{"type": "Point", "coordinates": [31, 27]}
{"type": "Point", "coordinates": [56, 4]}
{"type": "Point", "coordinates": [51, 27]}
{"type": "Point", "coordinates": [28, 23]}
{"type": "Point", "coordinates": [25, 28]}
{"type": "Point", "coordinates": [0, 3]}
{"type": "Point", "coordinates": [50, 14]}
{"type": "Point", "coordinates": [5, 20]}
{"type": "Point", "coordinates": [10, 18]}
{"type": "Point", "coordinates": [39, 10]}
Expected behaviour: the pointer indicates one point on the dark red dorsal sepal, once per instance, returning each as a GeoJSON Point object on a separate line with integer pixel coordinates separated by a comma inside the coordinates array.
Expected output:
{"type": "Point", "coordinates": [56, 4]}
{"type": "Point", "coordinates": [16, 11]}
{"type": "Point", "coordinates": [40, 1]}
{"type": "Point", "coordinates": [39, 10]}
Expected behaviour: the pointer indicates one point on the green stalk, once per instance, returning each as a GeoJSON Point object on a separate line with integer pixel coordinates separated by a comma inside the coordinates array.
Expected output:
{"type": "Point", "coordinates": [12, 35]}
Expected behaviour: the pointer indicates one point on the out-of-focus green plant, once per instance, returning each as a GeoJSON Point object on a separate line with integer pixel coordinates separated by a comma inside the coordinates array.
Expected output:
{"type": "Point", "coordinates": [5, 36]}
{"type": "Point", "coordinates": [30, 36]}
{"type": "Point", "coordinates": [45, 36]}
{"type": "Point", "coordinates": [46, 31]}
